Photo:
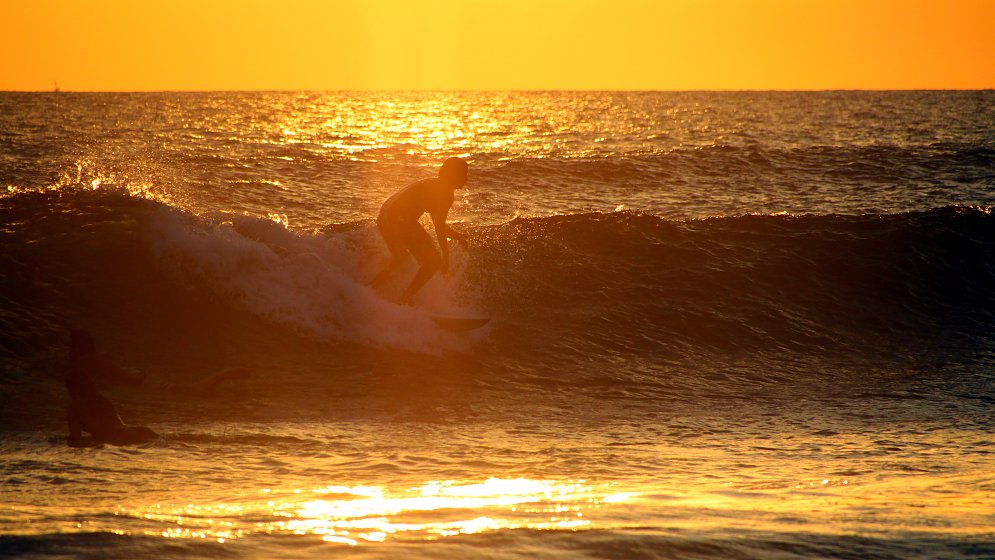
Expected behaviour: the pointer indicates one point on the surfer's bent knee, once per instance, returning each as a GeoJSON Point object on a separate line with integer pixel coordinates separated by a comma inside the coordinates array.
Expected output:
{"type": "Point", "coordinates": [426, 255]}
{"type": "Point", "coordinates": [432, 264]}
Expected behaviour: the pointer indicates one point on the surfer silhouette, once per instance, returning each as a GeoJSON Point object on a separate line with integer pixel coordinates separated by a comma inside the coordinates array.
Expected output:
{"type": "Point", "coordinates": [91, 412]}
{"type": "Point", "coordinates": [398, 224]}
{"type": "Point", "coordinates": [88, 410]}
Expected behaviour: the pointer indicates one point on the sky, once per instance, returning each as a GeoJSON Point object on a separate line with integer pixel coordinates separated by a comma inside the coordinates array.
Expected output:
{"type": "Point", "coordinates": [137, 45]}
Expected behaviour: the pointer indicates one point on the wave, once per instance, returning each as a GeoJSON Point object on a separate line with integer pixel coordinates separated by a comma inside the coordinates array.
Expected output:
{"type": "Point", "coordinates": [559, 287]}
{"type": "Point", "coordinates": [629, 282]}
{"type": "Point", "coordinates": [854, 165]}
{"type": "Point", "coordinates": [128, 264]}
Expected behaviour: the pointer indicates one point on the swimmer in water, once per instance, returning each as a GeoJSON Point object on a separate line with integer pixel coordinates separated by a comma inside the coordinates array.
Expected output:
{"type": "Point", "coordinates": [91, 412]}
{"type": "Point", "coordinates": [88, 410]}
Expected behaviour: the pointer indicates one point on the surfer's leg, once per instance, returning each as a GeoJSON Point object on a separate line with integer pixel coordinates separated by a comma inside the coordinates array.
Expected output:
{"type": "Point", "coordinates": [394, 238]}
{"type": "Point", "coordinates": [381, 277]}
{"type": "Point", "coordinates": [421, 246]}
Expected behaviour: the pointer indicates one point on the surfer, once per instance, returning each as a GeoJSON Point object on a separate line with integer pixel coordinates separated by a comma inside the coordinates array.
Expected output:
{"type": "Point", "coordinates": [91, 412]}
{"type": "Point", "coordinates": [88, 410]}
{"type": "Point", "coordinates": [398, 224]}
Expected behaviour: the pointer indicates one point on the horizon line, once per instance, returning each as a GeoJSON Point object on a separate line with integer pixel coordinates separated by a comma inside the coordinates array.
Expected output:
{"type": "Point", "coordinates": [501, 90]}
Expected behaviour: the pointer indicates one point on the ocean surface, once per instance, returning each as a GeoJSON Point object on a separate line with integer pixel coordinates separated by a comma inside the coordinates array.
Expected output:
{"type": "Point", "coordinates": [723, 325]}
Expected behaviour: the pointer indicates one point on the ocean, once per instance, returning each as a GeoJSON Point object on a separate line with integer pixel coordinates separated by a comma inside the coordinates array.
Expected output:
{"type": "Point", "coordinates": [723, 325]}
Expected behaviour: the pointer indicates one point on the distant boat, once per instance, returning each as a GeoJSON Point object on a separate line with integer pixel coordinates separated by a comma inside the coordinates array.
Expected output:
{"type": "Point", "coordinates": [56, 88]}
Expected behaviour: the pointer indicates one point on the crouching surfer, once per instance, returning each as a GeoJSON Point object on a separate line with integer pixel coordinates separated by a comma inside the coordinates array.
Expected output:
{"type": "Point", "coordinates": [398, 224]}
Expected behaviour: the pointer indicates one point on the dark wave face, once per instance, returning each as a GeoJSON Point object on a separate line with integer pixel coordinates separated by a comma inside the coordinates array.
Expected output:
{"type": "Point", "coordinates": [621, 297]}
{"type": "Point", "coordinates": [871, 286]}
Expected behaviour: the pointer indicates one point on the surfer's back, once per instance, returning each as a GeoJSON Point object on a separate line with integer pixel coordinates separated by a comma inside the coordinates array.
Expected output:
{"type": "Point", "coordinates": [408, 204]}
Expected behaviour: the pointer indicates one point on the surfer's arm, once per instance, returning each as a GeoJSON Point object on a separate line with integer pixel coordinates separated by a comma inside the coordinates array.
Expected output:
{"type": "Point", "coordinates": [442, 234]}
{"type": "Point", "coordinates": [106, 370]}
{"type": "Point", "coordinates": [454, 235]}
{"type": "Point", "coordinates": [117, 375]}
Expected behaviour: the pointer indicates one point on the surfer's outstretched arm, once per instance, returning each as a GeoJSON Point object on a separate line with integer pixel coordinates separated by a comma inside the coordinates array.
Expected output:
{"type": "Point", "coordinates": [442, 234]}
{"type": "Point", "coordinates": [455, 235]}
{"type": "Point", "coordinates": [208, 387]}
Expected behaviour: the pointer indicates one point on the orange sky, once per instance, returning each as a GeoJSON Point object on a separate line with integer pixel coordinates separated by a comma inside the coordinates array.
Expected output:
{"type": "Point", "coordinates": [509, 44]}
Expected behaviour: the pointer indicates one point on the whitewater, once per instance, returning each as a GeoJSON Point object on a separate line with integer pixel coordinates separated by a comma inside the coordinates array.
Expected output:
{"type": "Point", "coordinates": [736, 324]}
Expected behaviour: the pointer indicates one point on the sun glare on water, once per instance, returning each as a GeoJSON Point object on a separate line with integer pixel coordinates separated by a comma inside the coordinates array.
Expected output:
{"type": "Point", "coordinates": [356, 514]}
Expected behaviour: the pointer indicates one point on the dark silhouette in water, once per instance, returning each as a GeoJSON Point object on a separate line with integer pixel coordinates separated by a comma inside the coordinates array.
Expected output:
{"type": "Point", "coordinates": [88, 410]}
{"type": "Point", "coordinates": [398, 224]}
{"type": "Point", "coordinates": [91, 412]}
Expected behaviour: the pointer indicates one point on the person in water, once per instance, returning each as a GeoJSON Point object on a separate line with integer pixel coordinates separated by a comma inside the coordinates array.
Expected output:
{"type": "Point", "coordinates": [88, 410]}
{"type": "Point", "coordinates": [91, 412]}
{"type": "Point", "coordinates": [398, 224]}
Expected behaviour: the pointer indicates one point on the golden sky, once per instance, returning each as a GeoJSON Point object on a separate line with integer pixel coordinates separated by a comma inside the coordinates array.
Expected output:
{"type": "Point", "coordinates": [496, 44]}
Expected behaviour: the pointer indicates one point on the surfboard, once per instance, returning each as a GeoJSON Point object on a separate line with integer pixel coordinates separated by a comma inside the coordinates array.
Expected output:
{"type": "Point", "coordinates": [459, 324]}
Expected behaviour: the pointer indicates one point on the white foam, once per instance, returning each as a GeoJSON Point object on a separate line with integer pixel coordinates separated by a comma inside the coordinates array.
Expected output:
{"type": "Point", "coordinates": [313, 283]}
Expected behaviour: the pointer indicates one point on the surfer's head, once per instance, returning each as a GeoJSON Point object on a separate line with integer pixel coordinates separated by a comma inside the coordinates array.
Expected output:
{"type": "Point", "coordinates": [454, 171]}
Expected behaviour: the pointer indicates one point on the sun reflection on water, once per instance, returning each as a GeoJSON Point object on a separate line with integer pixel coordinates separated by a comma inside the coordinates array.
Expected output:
{"type": "Point", "coordinates": [353, 514]}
